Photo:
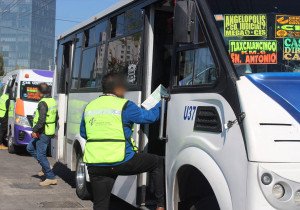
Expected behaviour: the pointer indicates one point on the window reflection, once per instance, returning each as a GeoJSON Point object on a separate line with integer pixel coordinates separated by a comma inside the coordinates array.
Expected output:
{"type": "Point", "coordinates": [117, 25]}
{"type": "Point", "coordinates": [124, 56]}
{"type": "Point", "coordinates": [76, 67]}
{"type": "Point", "coordinates": [196, 67]}
{"type": "Point", "coordinates": [92, 67]}
{"type": "Point", "coordinates": [134, 19]}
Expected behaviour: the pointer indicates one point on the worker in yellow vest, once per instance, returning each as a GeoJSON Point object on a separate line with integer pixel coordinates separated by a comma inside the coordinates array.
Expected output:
{"type": "Point", "coordinates": [4, 109]}
{"type": "Point", "coordinates": [44, 127]}
{"type": "Point", "coordinates": [110, 150]}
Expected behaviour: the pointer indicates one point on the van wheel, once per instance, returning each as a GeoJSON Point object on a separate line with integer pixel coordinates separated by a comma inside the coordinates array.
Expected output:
{"type": "Point", "coordinates": [83, 188]}
{"type": "Point", "coordinates": [10, 144]}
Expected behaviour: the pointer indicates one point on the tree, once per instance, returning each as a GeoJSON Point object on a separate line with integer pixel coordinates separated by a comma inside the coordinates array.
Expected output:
{"type": "Point", "coordinates": [1, 65]}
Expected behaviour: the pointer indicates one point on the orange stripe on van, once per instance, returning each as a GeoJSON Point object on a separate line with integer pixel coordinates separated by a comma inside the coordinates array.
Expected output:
{"type": "Point", "coordinates": [20, 107]}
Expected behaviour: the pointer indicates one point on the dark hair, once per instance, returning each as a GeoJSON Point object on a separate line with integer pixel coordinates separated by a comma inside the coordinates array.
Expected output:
{"type": "Point", "coordinates": [44, 88]}
{"type": "Point", "coordinates": [112, 80]}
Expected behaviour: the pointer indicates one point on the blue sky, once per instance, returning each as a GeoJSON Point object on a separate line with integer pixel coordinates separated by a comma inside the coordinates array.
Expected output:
{"type": "Point", "coordinates": [77, 10]}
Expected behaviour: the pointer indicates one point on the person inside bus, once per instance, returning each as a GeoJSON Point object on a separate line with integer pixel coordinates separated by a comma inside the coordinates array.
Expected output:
{"type": "Point", "coordinates": [110, 150]}
{"type": "Point", "coordinates": [4, 109]}
{"type": "Point", "coordinates": [44, 126]}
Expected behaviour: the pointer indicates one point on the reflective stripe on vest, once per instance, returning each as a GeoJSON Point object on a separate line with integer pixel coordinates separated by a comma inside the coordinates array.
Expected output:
{"type": "Point", "coordinates": [106, 142]}
{"type": "Point", "coordinates": [3, 109]}
{"type": "Point", "coordinates": [50, 125]}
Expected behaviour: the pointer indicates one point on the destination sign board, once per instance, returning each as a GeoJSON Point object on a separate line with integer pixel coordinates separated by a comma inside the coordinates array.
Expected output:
{"type": "Point", "coordinates": [253, 51]}
{"type": "Point", "coordinates": [236, 25]}
{"type": "Point", "coordinates": [291, 49]}
{"type": "Point", "coordinates": [287, 26]}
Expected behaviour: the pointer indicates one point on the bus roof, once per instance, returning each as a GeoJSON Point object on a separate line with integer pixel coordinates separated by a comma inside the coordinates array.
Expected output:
{"type": "Point", "coordinates": [118, 5]}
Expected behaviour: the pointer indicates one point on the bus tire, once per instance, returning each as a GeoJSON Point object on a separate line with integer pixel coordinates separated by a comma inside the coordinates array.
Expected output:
{"type": "Point", "coordinates": [10, 144]}
{"type": "Point", "coordinates": [83, 188]}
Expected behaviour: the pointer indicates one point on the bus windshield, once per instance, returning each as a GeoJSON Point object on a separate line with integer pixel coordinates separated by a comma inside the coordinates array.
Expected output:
{"type": "Point", "coordinates": [260, 35]}
{"type": "Point", "coordinates": [29, 90]}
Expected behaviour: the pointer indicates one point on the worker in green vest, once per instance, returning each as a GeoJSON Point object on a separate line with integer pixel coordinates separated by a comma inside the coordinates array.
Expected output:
{"type": "Point", "coordinates": [4, 109]}
{"type": "Point", "coordinates": [110, 150]}
{"type": "Point", "coordinates": [44, 127]}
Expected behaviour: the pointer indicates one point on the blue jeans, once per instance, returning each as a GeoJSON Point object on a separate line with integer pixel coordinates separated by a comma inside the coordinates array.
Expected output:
{"type": "Point", "coordinates": [38, 149]}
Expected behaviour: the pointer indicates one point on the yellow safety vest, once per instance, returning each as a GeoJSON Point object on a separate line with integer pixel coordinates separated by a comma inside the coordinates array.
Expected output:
{"type": "Point", "coordinates": [50, 125]}
{"type": "Point", "coordinates": [106, 142]}
{"type": "Point", "coordinates": [3, 109]}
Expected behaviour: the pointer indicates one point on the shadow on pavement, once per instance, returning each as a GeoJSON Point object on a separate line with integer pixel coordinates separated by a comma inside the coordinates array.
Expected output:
{"type": "Point", "coordinates": [65, 174]}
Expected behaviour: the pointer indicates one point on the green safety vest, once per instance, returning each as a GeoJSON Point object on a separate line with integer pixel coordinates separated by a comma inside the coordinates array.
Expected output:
{"type": "Point", "coordinates": [106, 142]}
{"type": "Point", "coordinates": [3, 109]}
{"type": "Point", "coordinates": [50, 125]}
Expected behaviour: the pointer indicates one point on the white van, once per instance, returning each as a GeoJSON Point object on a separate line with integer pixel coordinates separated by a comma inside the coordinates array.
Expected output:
{"type": "Point", "coordinates": [22, 87]}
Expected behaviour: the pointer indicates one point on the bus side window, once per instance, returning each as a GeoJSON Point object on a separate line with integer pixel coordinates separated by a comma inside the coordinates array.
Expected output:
{"type": "Point", "coordinates": [195, 63]}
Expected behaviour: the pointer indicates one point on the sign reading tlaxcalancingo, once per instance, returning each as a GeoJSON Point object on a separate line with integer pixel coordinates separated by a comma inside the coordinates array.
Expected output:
{"type": "Point", "coordinates": [287, 26]}
{"type": "Point", "coordinates": [245, 25]}
{"type": "Point", "coordinates": [253, 51]}
{"type": "Point", "coordinates": [291, 49]}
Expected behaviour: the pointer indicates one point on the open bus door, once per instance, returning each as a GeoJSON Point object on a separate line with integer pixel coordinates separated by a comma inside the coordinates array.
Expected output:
{"type": "Point", "coordinates": [63, 71]}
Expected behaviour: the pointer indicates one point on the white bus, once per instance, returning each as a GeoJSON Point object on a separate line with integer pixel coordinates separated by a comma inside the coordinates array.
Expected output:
{"type": "Point", "coordinates": [22, 87]}
{"type": "Point", "coordinates": [231, 134]}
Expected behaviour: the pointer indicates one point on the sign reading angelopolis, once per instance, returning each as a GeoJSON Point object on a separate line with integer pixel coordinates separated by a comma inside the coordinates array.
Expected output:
{"type": "Point", "coordinates": [245, 25]}
{"type": "Point", "coordinates": [253, 51]}
{"type": "Point", "coordinates": [287, 26]}
{"type": "Point", "coordinates": [291, 49]}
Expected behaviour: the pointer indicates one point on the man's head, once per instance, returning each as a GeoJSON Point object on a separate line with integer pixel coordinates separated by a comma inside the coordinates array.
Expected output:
{"type": "Point", "coordinates": [114, 83]}
{"type": "Point", "coordinates": [44, 89]}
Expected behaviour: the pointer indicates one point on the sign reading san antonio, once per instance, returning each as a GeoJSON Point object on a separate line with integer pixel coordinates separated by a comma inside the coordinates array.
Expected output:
{"type": "Point", "coordinates": [287, 26]}
{"type": "Point", "coordinates": [253, 51]}
{"type": "Point", "coordinates": [291, 49]}
{"type": "Point", "coordinates": [245, 25]}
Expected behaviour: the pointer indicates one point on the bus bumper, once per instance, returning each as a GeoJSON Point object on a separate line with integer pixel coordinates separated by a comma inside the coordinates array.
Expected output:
{"type": "Point", "coordinates": [273, 186]}
{"type": "Point", "coordinates": [22, 135]}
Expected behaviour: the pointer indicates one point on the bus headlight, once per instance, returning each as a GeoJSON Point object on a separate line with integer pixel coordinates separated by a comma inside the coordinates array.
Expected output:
{"type": "Point", "coordinates": [266, 178]}
{"type": "Point", "coordinates": [22, 121]}
{"type": "Point", "coordinates": [297, 197]}
{"type": "Point", "coordinates": [278, 191]}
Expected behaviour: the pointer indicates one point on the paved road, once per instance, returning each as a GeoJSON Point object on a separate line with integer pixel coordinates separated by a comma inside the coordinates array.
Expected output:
{"type": "Point", "coordinates": [19, 189]}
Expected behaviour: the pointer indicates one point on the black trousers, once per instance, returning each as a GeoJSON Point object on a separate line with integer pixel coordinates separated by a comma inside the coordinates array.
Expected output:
{"type": "Point", "coordinates": [3, 133]}
{"type": "Point", "coordinates": [103, 178]}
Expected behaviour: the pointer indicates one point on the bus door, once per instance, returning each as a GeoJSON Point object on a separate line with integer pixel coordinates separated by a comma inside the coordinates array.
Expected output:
{"type": "Point", "coordinates": [158, 51]}
{"type": "Point", "coordinates": [63, 71]}
{"type": "Point", "coordinates": [202, 126]}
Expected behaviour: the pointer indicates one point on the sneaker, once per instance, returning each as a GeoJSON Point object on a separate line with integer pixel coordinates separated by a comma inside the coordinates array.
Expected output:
{"type": "Point", "coordinates": [48, 182]}
{"type": "Point", "coordinates": [41, 173]}
{"type": "Point", "coordinates": [3, 147]}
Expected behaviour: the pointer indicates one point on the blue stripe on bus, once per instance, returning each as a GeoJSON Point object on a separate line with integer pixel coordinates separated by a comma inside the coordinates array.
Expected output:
{"type": "Point", "coordinates": [284, 88]}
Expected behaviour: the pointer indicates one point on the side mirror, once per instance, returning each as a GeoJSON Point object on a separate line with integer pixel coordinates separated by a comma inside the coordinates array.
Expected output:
{"type": "Point", "coordinates": [184, 21]}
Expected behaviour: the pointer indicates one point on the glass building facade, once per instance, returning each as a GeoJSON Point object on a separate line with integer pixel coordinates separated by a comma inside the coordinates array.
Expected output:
{"type": "Point", "coordinates": [27, 33]}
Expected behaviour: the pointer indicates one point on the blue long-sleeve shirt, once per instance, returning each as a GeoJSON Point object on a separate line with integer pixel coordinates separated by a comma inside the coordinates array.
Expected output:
{"type": "Point", "coordinates": [132, 114]}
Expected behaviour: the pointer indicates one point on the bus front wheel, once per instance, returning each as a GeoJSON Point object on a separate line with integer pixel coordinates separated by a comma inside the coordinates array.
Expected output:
{"type": "Point", "coordinates": [83, 188]}
{"type": "Point", "coordinates": [10, 144]}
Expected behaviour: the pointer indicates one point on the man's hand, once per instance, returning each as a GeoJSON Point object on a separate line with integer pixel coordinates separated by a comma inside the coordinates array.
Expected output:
{"type": "Point", "coordinates": [34, 135]}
